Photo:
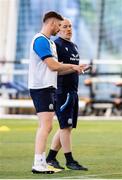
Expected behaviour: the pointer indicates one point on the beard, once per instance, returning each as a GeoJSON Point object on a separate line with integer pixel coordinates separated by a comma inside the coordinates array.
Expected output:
{"type": "Point", "coordinates": [54, 33]}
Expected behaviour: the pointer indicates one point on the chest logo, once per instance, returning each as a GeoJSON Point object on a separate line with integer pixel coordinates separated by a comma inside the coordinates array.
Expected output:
{"type": "Point", "coordinates": [74, 57]}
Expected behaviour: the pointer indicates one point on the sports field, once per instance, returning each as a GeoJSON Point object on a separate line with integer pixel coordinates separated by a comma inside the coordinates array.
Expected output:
{"type": "Point", "coordinates": [96, 144]}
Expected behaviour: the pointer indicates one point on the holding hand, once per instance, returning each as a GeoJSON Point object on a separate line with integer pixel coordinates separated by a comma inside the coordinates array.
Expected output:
{"type": "Point", "coordinates": [84, 68]}
{"type": "Point", "coordinates": [76, 68]}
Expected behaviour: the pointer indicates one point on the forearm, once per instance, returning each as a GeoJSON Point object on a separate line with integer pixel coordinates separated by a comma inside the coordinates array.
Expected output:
{"type": "Point", "coordinates": [65, 68]}
{"type": "Point", "coordinates": [64, 72]}
{"type": "Point", "coordinates": [57, 66]}
{"type": "Point", "coordinates": [60, 67]}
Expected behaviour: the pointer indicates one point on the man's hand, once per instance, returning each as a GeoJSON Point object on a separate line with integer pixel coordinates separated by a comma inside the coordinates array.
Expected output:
{"type": "Point", "coordinates": [84, 68]}
{"type": "Point", "coordinates": [76, 68]}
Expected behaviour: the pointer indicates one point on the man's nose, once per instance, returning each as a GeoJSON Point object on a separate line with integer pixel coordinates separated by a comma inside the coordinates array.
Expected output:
{"type": "Point", "coordinates": [69, 28]}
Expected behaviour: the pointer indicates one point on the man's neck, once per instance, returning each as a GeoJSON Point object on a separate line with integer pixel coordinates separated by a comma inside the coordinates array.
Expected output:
{"type": "Point", "coordinates": [45, 31]}
{"type": "Point", "coordinates": [65, 39]}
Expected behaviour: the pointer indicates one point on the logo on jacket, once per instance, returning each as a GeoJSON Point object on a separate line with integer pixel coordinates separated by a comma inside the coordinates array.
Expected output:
{"type": "Point", "coordinates": [74, 57]}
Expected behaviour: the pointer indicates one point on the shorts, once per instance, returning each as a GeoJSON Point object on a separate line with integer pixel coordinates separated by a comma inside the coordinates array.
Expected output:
{"type": "Point", "coordinates": [43, 99]}
{"type": "Point", "coordinates": [67, 109]}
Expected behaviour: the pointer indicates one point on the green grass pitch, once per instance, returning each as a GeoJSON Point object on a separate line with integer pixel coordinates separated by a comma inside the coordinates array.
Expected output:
{"type": "Point", "coordinates": [96, 144]}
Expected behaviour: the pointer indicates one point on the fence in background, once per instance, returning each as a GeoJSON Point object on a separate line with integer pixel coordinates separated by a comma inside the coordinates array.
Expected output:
{"type": "Point", "coordinates": [99, 93]}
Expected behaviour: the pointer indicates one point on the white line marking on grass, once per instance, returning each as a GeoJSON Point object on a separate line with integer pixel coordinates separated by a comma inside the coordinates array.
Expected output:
{"type": "Point", "coordinates": [91, 175]}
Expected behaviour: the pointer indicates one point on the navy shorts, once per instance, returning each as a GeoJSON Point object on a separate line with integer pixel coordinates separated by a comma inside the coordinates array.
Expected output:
{"type": "Point", "coordinates": [43, 99]}
{"type": "Point", "coordinates": [67, 109]}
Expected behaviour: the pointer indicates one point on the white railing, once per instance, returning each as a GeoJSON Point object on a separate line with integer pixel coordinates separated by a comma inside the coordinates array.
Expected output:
{"type": "Point", "coordinates": [5, 102]}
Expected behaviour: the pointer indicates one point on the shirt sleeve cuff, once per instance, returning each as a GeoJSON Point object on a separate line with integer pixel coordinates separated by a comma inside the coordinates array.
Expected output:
{"type": "Point", "coordinates": [44, 57]}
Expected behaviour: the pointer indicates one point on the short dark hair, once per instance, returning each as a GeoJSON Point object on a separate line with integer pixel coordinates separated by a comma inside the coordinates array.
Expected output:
{"type": "Point", "coordinates": [52, 14]}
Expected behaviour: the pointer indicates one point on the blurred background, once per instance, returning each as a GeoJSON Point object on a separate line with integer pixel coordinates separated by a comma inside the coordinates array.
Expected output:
{"type": "Point", "coordinates": [97, 30]}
